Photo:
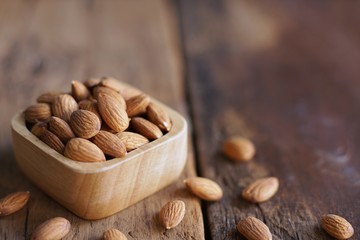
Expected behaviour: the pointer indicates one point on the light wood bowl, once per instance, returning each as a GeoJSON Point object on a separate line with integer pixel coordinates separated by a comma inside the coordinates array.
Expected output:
{"type": "Point", "coordinates": [98, 190]}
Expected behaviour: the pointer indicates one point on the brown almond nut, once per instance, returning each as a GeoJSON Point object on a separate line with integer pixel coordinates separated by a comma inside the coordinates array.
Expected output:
{"type": "Point", "coordinates": [159, 117]}
{"type": "Point", "coordinates": [336, 226]}
{"type": "Point", "coordinates": [105, 127]}
{"type": "Point", "coordinates": [83, 150]}
{"type": "Point", "coordinates": [90, 106]}
{"type": "Point", "coordinates": [110, 144]}
{"type": "Point", "coordinates": [63, 106]}
{"type": "Point", "coordinates": [261, 190]}
{"type": "Point", "coordinates": [126, 91]}
{"type": "Point", "coordinates": [112, 83]}
{"type": "Point", "coordinates": [85, 124]}
{"type": "Point", "coordinates": [172, 213]}
{"type": "Point", "coordinates": [79, 91]}
{"type": "Point", "coordinates": [52, 141]}
{"type": "Point", "coordinates": [38, 112]}
{"type": "Point", "coordinates": [47, 97]}
{"type": "Point", "coordinates": [145, 128]}
{"type": "Point", "coordinates": [113, 114]}
{"type": "Point", "coordinates": [254, 229]}
{"type": "Point", "coordinates": [239, 149]}
{"type": "Point", "coordinates": [204, 188]}
{"type": "Point", "coordinates": [137, 105]}
{"type": "Point", "coordinates": [54, 229]}
{"type": "Point", "coordinates": [92, 82]}
{"type": "Point", "coordinates": [117, 98]}
{"type": "Point", "coordinates": [13, 202]}
{"type": "Point", "coordinates": [39, 128]}
{"type": "Point", "coordinates": [114, 234]}
{"type": "Point", "coordinates": [132, 140]}
{"type": "Point", "coordinates": [61, 129]}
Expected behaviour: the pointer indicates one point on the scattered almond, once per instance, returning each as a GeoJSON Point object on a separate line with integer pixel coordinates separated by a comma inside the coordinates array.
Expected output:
{"type": "Point", "coordinates": [239, 149]}
{"type": "Point", "coordinates": [79, 91]}
{"type": "Point", "coordinates": [110, 144]}
{"type": "Point", "coordinates": [38, 112]}
{"type": "Point", "coordinates": [63, 106]}
{"type": "Point", "coordinates": [112, 113]}
{"type": "Point", "coordinates": [137, 105]}
{"type": "Point", "coordinates": [61, 129]}
{"type": "Point", "coordinates": [132, 140]}
{"type": "Point", "coordinates": [52, 229]}
{"type": "Point", "coordinates": [112, 83]}
{"type": "Point", "coordinates": [336, 226]}
{"type": "Point", "coordinates": [13, 202]}
{"type": "Point", "coordinates": [172, 213]}
{"type": "Point", "coordinates": [47, 97]}
{"type": "Point", "coordinates": [159, 117]}
{"type": "Point", "coordinates": [204, 188]}
{"type": "Point", "coordinates": [83, 150]}
{"type": "Point", "coordinates": [254, 229]}
{"type": "Point", "coordinates": [85, 124]}
{"type": "Point", "coordinates": [39, 128]}
{"type": "Point", "coordinates": [114, 234]}
{"type": "Point", "coordinates": [52, 141]}
{"type": "Point", "coordinates": [261, 190]}
{"type": "Point", "coordinates": [145, 128]}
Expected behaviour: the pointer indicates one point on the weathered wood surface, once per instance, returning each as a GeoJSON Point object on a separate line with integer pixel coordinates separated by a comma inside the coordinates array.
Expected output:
{"type": "Point", "coordinates": [286, 75]}
{"type": "Point", "coordinates": [46, 44]}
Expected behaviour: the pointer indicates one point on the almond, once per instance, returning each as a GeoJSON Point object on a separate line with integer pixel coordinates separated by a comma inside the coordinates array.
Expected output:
{"type": "Point", "coordinates": [114, 234]}
{"type": "Point", "coordinates": [261, 190]}
{"type": "Point", "coordinates": [239, 149]}
{"type": "Point", "coordinates": [110, 144]}
{"type": "Point", "coordinates": [52, 141]}
{"type": "Point", "coordinates": [63, 106]}
{"type": "Point", "coordinates": [85, 124]}
{"type": "Point", "coordinates": [254, 229]}
{"type": "Point", "coordinates": [39, 128]}
{"type": "Point", "coordinates": [337, 226]}
{"type": "Point", "coordinates": [125, 91]}
{"type": "Point", "coordinates": [137, 105]}
{"type": "Point", "coordinates": [79, 91]}
{"type": "Point", "coordinates": [159, 117]}
{"type": "Point", "coordinates": [61, 129]}
{"type": "Point", "coordinates": [145, 128]}
{"type": "Point", "coordinates": [54, 229]}
{"type": "Point", "coordinates": [172, 213]}
{"type": "Point", "coordinates": [132, 140]}
{"type": "Point", "coordinates": [112, 112]}
{"type": "Point", "coordinates": [47, 97]}
{"type": "Point", "coordinates": [37, 113]}
{"type": "Point", "coordinates": [204, 188]}
{"type": "Point", "coordinates": [117, 98]}
{"type": "Point", "coordinates": [83, 150]}
{"type": "Point", "coordinates": [92, 82]}
{"type": "Point", "coordinates": [90, 106]}
{"type": "Point", "coordinates": [13, 202]}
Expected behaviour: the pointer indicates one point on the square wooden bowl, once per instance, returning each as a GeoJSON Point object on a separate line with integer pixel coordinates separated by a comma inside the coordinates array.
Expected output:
{"type": "Point", "coordinates": [97, 190]}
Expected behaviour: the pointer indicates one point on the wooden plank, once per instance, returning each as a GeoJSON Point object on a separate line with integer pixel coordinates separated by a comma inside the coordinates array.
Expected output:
{"type": "Point", "coordinates": [46, 44]}
{"type": "Point", "coordinates": [286, 75]}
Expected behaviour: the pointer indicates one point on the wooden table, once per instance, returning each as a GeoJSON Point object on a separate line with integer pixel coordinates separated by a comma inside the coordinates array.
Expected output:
{"type": "Point", "coordinates": [284, 74]}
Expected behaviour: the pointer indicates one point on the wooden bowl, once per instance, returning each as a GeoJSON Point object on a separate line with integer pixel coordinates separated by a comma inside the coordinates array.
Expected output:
{"type": "Point", "coordinates": [98, 190]}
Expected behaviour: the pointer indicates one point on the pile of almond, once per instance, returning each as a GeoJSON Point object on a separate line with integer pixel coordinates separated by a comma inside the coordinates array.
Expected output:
{"type": "Point", "coordinates": [100, 119]}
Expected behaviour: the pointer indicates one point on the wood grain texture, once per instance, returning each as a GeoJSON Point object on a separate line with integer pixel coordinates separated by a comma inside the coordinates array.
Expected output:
{"type": "Point", "coordinates": [286, 75]}
{"type": "Point", "coordinates": [47, 44]}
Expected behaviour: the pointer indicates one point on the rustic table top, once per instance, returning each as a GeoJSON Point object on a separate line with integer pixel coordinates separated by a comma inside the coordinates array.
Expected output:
{"type": "Point", "coordinates": [284, 74]}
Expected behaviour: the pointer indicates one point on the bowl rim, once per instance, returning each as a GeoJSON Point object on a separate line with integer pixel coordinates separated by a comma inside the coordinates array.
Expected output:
{"type": "Point", "coordinates": [179, 126]}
